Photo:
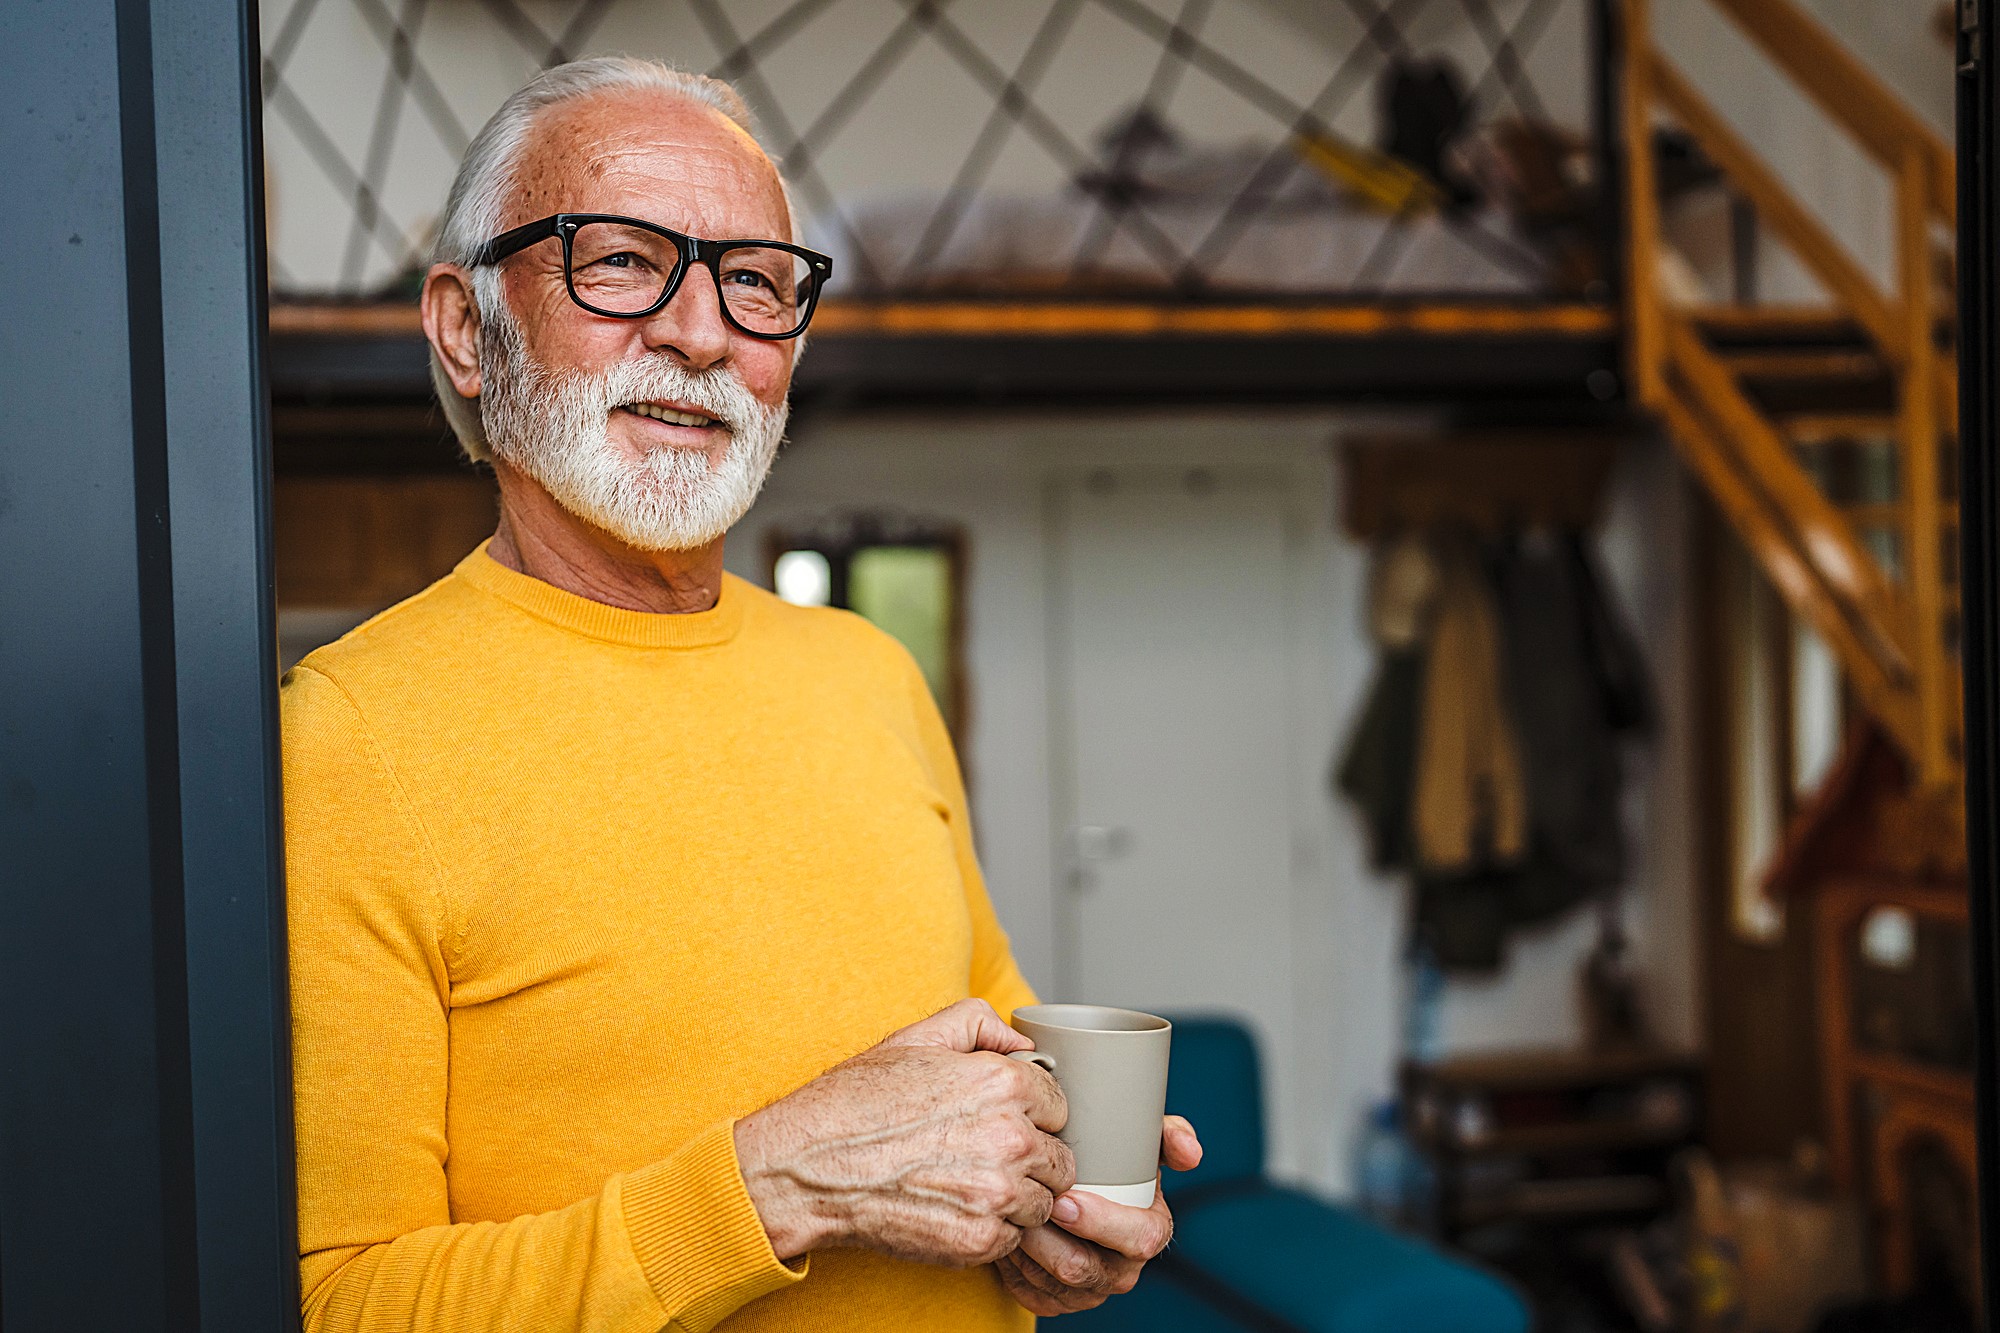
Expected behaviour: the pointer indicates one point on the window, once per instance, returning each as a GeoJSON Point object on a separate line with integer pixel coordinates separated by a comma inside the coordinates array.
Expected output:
{"type": "Point", "coordinates": [905, 576]}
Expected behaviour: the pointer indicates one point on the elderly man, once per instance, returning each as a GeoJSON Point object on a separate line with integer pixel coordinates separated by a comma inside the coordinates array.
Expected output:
{"type": "Point", "coordinates": [642, 973]}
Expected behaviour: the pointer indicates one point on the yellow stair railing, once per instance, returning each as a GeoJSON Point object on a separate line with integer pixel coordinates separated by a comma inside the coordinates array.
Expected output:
{"type": "Point", "coordinates": [1874, 579]}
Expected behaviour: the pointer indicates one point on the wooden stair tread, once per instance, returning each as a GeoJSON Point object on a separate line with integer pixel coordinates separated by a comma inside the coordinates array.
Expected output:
{"type": "Point", "coordinates": [1788, 325]}
{"type": "Point", "coordinates": [1894, 514]}
{"type": "Point", "coordinates": [1809, 428]}
{"type": "Point", "coordinates": [1800, 364]}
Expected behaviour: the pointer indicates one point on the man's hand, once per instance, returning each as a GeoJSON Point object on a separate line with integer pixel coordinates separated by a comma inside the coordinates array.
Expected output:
{"type": "Point", "coordinates": [1095, 1248]}
{"type": "Point", "coordinates": [931, 1146]}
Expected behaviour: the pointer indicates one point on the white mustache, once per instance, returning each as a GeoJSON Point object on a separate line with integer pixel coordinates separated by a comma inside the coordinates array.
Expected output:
{"type": "Point", "coordinates": [718, 392]}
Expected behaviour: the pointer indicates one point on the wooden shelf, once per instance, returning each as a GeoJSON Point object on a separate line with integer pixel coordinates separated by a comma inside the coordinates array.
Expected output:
{"type": "Point", "coordinates": [1568, 1139]}
{"type": "Point", "coordinates": [1553, 1067]}
{"type": "Point", "coordinates": [1555, 1200]}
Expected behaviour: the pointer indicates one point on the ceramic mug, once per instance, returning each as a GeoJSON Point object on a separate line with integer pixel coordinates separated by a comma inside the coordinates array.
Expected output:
{"type": "Point", "coordinates": [1112, 1067]}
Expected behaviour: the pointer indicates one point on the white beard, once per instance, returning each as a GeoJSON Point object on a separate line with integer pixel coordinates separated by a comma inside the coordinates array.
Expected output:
{"type": "Point", "coordinates": [555, 426]}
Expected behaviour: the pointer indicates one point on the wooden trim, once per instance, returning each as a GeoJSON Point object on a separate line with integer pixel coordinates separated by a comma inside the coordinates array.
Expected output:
{"type": "Point", "coordinates": [1837, 909]}
{"type": "Point", "coordinates": [1831, 427]}
{"type": "Point", "coordinates": [1776, 552]}
{"type": "Point", "coordinates": [1849, 92]}
{"type": "Point", "coordinates": [1940, 903]}
{"type": "Point", "coordinates": [1783, 323]}
{"type": "Point", "coordinates": [1917, 434]}
{"type": "Point", "coordinates": [1815, 246]}
{"type": "Point", "coordinates": [1646, 353]}
{"type": "Point", "coordinates": [1057, 319]}
{"type": "Point", "coordinates": [1141, 319]}
{"type": "Point", "coordinates": [1806, 367]}
{"type": "Point", "coordinates": [1909, 1076]}
{"type": "Point", "coordinates": [1947, 394]}
{"type": "Point", "coordinates": [377, 319]}
{"type": "Point", "coordinates": [1823, 533]}
{"type": "Point", "coordinates": [1908, 1119]}
{"type": "Point", "coordinates": [1833, 917]}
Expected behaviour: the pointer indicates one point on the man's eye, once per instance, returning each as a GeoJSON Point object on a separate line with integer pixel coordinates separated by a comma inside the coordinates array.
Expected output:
{"type": "Point", "coordinates": [747, 278]}
{"type": "Point", "coordinates": [623, 259]}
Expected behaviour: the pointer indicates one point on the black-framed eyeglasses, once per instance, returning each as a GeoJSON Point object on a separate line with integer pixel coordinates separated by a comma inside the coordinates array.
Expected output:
{"type": "Point", "coordinates": [629, 269]}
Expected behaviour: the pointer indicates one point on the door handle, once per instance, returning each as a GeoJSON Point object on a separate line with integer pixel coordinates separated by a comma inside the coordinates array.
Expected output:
{"type": "Point", "coordinates": [1100, 842]}
{"type": "Point", "coordinates": [1090, 845]}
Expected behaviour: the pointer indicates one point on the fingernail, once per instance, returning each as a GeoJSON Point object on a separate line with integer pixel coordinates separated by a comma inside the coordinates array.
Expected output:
{"type": "Point", "coordinates": [1066, 1209]}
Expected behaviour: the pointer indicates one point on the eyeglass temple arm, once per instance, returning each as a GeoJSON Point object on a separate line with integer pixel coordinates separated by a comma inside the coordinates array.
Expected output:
{"type": "Point", "coordinates": [511, 242]}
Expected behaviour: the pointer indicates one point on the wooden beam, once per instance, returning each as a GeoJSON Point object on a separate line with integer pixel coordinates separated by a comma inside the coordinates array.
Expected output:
{"type": "Point", "coordinates": [1947, 395]}
{"type": "Point", "coordinates": [1817, 247]}
{"type": "Point", "coordinates": [1644, 348]}
{"type": "Point", "coordinates": [1917, 438]}
{"type": "Point", "coordinates": [1054, 319]}
{"type": "Point", "coordinates": [1169, 318]}
{"type": "Point", "coordinates": [377, 318]}
{"type": "Point", "coordinates": [1851, 93]}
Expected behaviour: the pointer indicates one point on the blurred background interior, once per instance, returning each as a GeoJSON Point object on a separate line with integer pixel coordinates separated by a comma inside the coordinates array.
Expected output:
{"type": "Point", "coordinates": [1442, 508]}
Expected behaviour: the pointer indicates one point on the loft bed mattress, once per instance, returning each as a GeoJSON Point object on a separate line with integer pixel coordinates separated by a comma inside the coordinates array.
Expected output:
{"type": "Point", "coordinates": [1004, 244]}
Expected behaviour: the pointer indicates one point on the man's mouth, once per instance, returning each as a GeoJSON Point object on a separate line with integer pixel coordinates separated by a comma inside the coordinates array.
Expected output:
{"type": "Point", "coordinates": [673, 416]}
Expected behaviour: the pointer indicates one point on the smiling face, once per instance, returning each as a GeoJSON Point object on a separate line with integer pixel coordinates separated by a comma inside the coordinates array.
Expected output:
{"type": "Point", "coordinates": [655, 432]}
{"type": "Point", "coordinates": [667, 160]}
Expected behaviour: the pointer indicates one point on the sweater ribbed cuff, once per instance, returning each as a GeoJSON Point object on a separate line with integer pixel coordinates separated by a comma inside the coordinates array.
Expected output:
{"type": "Point", "coordinates": [698, 1236]}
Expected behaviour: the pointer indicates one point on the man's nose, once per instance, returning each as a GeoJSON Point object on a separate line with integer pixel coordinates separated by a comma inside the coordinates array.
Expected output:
{"type": "Point", "coordinates": [691, 326]}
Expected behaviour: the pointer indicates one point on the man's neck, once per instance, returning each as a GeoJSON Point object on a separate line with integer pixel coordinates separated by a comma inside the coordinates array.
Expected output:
{"type": "Point", "coordinates": [541, 539]}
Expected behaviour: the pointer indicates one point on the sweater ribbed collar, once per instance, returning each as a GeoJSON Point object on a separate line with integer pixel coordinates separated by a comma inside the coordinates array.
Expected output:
{"type": "Point", "coordinates": [614, 624]}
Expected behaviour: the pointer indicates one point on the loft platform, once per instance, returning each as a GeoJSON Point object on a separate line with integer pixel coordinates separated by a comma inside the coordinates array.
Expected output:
{"type": "Point", "coordinates": [1045, 353]}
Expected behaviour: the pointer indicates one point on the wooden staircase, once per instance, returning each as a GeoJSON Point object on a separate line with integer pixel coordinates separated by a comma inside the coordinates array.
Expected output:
{"type": "Point", "coordinates": [1824, 433]}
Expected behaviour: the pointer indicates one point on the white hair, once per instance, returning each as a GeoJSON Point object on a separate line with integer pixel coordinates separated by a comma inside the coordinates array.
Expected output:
{"type": "Point", "coordinates": [481, 191]}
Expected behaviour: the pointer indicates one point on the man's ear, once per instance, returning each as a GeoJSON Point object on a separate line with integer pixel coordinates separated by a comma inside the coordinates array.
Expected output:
{"type": "Point", "coordinates": [451, 322]}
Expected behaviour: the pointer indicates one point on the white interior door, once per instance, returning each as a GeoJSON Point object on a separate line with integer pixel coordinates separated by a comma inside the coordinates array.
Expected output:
{"type": "Point", "coordinates": [1172, 744]}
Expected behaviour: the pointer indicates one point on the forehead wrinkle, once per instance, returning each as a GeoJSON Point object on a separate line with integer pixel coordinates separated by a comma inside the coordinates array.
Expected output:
{"type": "Point", "coordinates": [657, 157]}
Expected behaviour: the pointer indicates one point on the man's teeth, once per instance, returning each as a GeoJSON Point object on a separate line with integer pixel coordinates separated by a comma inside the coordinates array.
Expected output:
{"type": "Point", "coordinates": [670, 416]}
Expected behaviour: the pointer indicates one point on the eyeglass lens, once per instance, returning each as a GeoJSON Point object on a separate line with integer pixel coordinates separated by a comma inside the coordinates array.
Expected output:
{"type": "Point", "coordinates": [621, 270]}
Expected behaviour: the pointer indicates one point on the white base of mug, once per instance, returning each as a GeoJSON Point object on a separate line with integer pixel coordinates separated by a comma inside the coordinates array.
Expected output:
{"type": "Point", "coordinates": [1132, 1196]}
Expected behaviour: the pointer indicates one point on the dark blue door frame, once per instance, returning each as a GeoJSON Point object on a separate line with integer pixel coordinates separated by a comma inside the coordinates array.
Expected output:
{"type": "Point", "coordinates": [1979, 553]}
{"type": "Point", "coordinates": [146, 1176]}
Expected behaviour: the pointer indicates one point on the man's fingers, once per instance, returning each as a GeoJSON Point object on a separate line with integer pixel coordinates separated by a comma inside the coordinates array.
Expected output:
{"type": "Point", "coordinates": [969, 1025]}
{"type": "Point", "coordinates": [1136, 1233]}
{"type": "Point", "coordinates": [1034, 1274]}
{"type": "Point", "coordinates": [1074, 1264]}
{"type": "Point", "coordinates": [1179, 1148]}
{"type": "Point", "coordinates": [1046, 1107]}
{"type": "Point", "coordinates": [1033, 1209]}
{"type": "Point", "coordinates": [1041, 1291]}
{"type": "Point", "coordinates": [1053, 1166]}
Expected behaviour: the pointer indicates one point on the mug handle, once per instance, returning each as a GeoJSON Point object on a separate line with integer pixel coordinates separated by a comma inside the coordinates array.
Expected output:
{"type": "Point", "coordinates": [1046, 1062]}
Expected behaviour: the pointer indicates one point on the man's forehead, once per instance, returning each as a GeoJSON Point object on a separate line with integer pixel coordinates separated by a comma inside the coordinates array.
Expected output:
{"type": "Point", "coordinates": [653, 155]}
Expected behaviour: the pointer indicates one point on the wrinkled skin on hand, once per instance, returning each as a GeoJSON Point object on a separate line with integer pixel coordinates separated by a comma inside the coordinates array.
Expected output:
{"type": "Point", "coordinates": [1093, 1249]}
{"type": "Point", "coordinates": [931, 1146]}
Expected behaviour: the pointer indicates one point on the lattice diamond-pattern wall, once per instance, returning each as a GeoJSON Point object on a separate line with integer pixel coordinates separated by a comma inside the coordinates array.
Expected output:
{"type": "Point", "coordinates": [919, 110]}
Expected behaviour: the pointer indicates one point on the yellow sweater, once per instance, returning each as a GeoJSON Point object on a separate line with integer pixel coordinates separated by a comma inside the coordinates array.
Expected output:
{"type": "Point", "coordinates": [573, 888]}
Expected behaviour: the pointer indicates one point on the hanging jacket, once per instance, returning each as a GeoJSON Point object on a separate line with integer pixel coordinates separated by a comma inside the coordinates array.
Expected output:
{"type": "Point", "coordinates": [1470, 804]}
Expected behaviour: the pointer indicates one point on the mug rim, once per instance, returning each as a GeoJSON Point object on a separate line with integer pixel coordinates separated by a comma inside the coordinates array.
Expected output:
{"type": "Point", "coordinates": [1157, 1025]}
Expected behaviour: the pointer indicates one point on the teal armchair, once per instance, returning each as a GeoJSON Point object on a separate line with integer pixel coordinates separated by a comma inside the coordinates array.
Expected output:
{"type": "Point", "coordinates": [1253, 1256]}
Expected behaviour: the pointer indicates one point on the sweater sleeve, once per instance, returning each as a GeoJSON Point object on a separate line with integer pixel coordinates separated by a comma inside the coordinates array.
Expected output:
{"type": "Point", "coordinates": [996, 978]}
{"type": "Point", "coordinates": [675, 1244]}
